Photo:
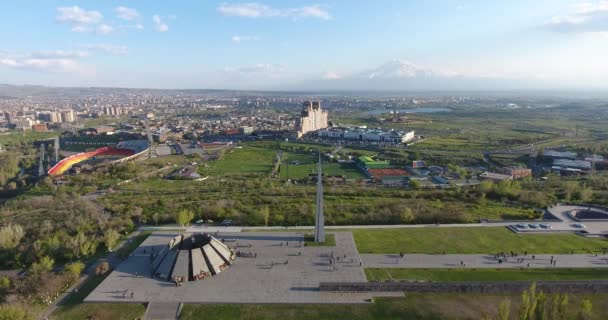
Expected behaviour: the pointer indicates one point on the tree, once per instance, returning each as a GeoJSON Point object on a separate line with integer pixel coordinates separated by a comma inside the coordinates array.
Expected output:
{"type": "Point", "coordinates": [585, 310]}
{"type": "Point", "coordinates": [155, 217]}
{"type": "Point", "coordinates": [528, 303]}
{"type": "Point", "coordinates": [415, 184]}
{"type": "Point", "coordinates": [183, 217]}
{"type": "Point", "coordinates": [563, 304]}
{"type": "Point", "coordinates": [504, 309]}
{"type": "Point", "coordinates": [541, 307]}
{"type": "Point", "coordinates": [485, 186]}
{"type": "Point", "coordinates": [75, 269]}
{"type": "Point", "coordinates": [5, 283]}
{"type": "Point", "coordinates": [14, 312]}
{"type": "Point", "coordinates": [110, 238]}
{"type": "Point", "coordinates": [406, 215]}
{"type": "Point", "coordinates": [585, 194]}
{"type": "Point", "coordinates": [265, 213]}
{"type": "Point", "coordinates": [43, 266]}
{"type": "Point", "coordinates": [10, 236]}
{"type": "Point", "coordinates": [570, 189]}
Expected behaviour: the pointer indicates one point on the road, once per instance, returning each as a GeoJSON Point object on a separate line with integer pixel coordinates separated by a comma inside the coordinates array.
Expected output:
{"type": "Point", "coordinates": [563, 223]}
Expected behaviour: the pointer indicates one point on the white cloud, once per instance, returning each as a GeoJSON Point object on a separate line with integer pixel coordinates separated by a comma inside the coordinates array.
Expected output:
{"type": "Point", "coordinates": [108, 48]}
{"type": "Point", "coordinates": [127, 14]}
{"type": "Point", "coordinates": [160, 25]}
{"type": "Point", "coordinates": [104, 29]}
{"type": "Point", "coordinates": [60, 54]}
{"type": "Point", "coordinates": [585, 17]}
{"type": "Point", "coordinates": [330, 75]}
{"type": "Point", "coordinates": [78, 16]}
{"type": "Point", "coordinates": [257, 10]}
{"type": "Point", "coordinates": [239, 39]}
{"type": "Point", "coordinates": [51, 61]}
{"type": "Point", "coordinates": [83, 20]}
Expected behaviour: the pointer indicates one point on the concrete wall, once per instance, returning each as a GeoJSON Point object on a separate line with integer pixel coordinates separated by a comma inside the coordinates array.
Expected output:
{"type": "Point", "coordinates": [497, 287]}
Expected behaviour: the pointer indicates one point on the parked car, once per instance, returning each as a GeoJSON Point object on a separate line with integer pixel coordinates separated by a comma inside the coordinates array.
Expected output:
{"type": "Point", "coordinates": [579, 225]}
{"type": "Point", "coordinates": [545, 226]}
{"type": "Point", "coordinates": [226, 222]}
{"type": "Point", "coordinates": [521, 226]}
{"type": "Point", "coordinates": [533, 225]}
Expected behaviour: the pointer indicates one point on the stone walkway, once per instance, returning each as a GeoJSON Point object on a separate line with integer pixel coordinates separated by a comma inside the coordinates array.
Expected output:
{"type": "Point", "coordinates": [482, 261]}
{"type": "Point", "coordinates": [162, 311]}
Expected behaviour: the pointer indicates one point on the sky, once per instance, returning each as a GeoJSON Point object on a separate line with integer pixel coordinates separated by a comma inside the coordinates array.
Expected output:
{"type": "Point", "coordinates": [307, 44]}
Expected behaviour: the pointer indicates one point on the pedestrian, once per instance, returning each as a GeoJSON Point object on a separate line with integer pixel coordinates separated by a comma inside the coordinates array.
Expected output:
{"type": "Point", "coordinates": [528, 265]}
{"type": "Point", "coordinates": [131, 295]}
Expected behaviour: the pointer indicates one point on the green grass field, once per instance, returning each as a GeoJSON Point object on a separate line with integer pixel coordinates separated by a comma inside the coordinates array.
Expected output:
{"type": "Point", "coordinates": [414, 306]}
{"type": "Point", "coordinates": [469, 240]}
{"type": "Point", "coordinates": [383, 274]}
{"type": "Point", "coordinates": [100, 311]}
{"type": "Point", "coordinates": [248, 160]}
{"type": "Point", "coordinates": [308, 166]}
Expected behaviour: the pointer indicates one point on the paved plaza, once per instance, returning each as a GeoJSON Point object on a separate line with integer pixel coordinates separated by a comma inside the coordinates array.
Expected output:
{"type": "Point", "coordinates": [283, 271]}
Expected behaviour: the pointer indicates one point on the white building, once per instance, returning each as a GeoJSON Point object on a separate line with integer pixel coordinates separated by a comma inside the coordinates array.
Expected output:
{"type": "Point", "coordinates": [362, 134]}
{"type": "Point", "coordinates": [313, 118]}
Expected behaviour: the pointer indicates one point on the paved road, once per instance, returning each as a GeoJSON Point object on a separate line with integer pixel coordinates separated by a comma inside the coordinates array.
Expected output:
{"type": "Point", "coordinates": [482, 261]}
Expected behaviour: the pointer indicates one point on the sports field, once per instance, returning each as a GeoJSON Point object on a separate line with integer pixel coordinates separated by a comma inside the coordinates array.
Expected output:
{"type": "Point", "coordinates": [299, 165]}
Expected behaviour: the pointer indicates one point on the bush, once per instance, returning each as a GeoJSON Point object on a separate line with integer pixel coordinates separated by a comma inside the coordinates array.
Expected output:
{"type": "Point", "coordinates": [75, 269]}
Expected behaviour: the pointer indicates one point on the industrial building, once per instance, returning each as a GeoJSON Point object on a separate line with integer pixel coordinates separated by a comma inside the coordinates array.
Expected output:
{"type": "Point", "coordinates": [364, 134]}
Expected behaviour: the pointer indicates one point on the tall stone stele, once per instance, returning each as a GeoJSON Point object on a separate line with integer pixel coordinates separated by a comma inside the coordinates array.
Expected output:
{"type": "Point", "coordinates": [320, 219]}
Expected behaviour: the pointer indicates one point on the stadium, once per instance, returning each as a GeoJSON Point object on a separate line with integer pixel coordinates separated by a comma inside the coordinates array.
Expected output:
{"type": "Point", "coordinates": [122, 152]}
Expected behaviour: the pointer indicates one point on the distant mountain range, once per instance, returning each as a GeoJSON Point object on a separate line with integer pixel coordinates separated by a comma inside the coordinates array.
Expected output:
{"type": "Point", "coordinates": [402, 75]}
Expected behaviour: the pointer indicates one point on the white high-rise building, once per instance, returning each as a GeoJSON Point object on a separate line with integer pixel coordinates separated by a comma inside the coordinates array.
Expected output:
{"type": "Point", "coordinates": [313, 118]}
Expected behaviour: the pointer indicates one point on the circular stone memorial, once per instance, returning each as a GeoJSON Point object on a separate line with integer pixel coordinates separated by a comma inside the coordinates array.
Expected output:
{"type": "Point", "coordinates": [190, 257]}
{"type": "Point", "coordinates": [589, 214]}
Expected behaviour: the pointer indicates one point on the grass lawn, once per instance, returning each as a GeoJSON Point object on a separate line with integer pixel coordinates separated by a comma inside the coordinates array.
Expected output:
{"type": "Point", "coordinates": [414, 306]}
{"type": "Point", "coordinates": [256, 160]}
{"type": "Point", "coordinates": [469, 240]}
{"type": "Point", "coordinates": [382, 274]}
{"type": "Point", "coordinates": [309, 240]}
{"type": "Point", "coordinates": [100, 311]}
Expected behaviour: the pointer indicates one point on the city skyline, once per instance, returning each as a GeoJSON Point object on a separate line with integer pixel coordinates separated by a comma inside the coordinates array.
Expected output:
{"type": "Point", "coordinates": [307, 45]}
